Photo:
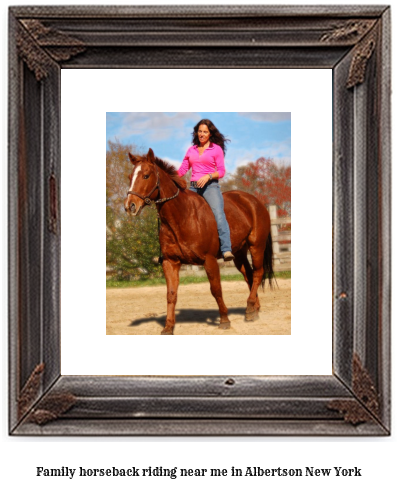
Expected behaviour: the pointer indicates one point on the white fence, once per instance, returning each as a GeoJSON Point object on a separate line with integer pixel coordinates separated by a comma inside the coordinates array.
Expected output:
{"type": "Point", "coordinates": [281, 241]}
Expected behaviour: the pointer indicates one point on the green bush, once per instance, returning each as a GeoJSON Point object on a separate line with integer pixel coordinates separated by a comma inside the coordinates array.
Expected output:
{"type": "Point", "coordinates": [132, 246]}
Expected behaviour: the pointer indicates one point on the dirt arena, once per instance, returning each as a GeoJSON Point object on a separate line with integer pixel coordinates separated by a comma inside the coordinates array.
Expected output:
{"type": "Point", "coordinates": [142, 310]}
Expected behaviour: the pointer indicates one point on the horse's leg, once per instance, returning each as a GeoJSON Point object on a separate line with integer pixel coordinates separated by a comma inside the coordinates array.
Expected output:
{"type": "Point", "coordinates": [171, 271]}
{"type": "Point", "coordinates": [212, 270]}
{"type": "Point", "coordinates": [242, 264]}
{"type": "Point", "coordinates": [252, 311]}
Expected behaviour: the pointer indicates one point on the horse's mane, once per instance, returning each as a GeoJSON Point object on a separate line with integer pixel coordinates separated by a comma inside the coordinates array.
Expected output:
{"type": "Point", "coordinates": [171, 172]}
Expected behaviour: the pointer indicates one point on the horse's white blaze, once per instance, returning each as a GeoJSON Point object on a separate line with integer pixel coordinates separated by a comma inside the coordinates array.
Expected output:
{"type": "Point", "coordinates": [136, 171]}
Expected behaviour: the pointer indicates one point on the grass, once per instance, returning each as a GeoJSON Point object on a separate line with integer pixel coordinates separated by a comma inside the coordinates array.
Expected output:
{"type": "Point", "coordinates": [117, 284]}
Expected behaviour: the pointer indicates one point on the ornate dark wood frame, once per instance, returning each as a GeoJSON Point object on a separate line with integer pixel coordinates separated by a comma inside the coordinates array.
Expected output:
{"type": "Point", "coordinates": [353, 41]}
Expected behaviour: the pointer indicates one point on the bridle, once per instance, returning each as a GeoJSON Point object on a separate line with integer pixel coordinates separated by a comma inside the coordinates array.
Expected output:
{"type": "Point", "coordinates": [147, 199]}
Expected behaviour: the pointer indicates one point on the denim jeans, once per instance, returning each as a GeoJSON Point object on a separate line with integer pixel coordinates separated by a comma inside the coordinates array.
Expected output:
{"type": "Point", "coordinates": [212, 194]}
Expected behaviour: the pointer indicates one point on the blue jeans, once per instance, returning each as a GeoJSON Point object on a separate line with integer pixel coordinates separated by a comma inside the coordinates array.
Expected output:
{"type": "Point", "coordinates": [212, 194]}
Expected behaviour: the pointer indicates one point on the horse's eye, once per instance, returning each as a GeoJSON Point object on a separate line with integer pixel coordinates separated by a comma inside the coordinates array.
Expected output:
{"type": "Point", "coordinates": [146, 176]}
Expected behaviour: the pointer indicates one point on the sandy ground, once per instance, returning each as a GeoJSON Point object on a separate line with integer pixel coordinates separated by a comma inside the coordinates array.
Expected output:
{"type": "Point", "coordinates": [142, 310]}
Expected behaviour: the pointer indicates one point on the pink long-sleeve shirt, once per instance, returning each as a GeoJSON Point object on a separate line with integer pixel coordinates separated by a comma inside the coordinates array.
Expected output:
{"type": "Point", "coordinates": [210, 161]}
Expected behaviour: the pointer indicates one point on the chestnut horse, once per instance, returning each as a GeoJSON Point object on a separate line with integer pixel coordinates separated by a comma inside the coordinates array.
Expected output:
{"type": "Point", "coordinates": [188, 233]}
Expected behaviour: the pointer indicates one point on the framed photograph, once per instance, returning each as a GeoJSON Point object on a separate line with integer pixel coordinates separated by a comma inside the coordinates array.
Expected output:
{"type": "Point", "coordinates": [237, 170]}
{"type": "Point", "coordinates": [48, 45]}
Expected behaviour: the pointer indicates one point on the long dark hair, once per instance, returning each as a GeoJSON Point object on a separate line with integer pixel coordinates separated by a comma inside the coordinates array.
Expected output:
{"type": "Point", "coordinates": [216, 137]}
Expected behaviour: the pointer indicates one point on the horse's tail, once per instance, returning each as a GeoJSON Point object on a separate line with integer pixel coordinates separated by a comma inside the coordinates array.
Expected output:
{"type": "Point", "coordinates": [268, 272]}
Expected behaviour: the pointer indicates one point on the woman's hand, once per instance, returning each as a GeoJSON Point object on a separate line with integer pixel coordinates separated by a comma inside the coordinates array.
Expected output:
{"type": "Point", "coordinates": [202, 181]}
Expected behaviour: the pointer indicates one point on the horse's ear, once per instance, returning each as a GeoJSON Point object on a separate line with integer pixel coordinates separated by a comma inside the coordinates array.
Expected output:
{"type": "Point", "coordinates": [151, 156]}
{"type": "Point", "coordinates": [133, 159]}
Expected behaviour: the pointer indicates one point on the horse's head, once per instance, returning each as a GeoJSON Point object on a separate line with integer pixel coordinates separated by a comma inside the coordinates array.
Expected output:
{"type": "Point", "coordinates": [144, 183]}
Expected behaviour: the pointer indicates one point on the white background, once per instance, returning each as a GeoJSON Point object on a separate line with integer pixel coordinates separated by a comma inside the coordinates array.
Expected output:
{"type": "Point", "coordinates": [307, 94]}
{"type": "Point", "coordinates": [377, 457]}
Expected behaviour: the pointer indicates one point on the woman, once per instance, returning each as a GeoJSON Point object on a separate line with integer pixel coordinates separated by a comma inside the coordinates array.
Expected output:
{"type": "Point", "coordinates": [206, 158]}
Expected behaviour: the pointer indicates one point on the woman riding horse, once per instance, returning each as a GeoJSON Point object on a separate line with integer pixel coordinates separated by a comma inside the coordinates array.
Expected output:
{"type": "Point", "coordinates": [206, 159]}
{"type": "Point", "coordinates": [188, 232]}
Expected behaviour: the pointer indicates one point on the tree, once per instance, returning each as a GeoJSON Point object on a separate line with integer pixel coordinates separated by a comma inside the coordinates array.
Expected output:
{"type": "Point", "coordinates": [270, 183]}
{"type": "Point", "coordinates": [118, 169]}
{"type": "Point", "coordinates": [234, 181]}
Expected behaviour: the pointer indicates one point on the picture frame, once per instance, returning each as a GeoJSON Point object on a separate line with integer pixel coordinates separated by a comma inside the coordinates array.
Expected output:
{"type": "Point", "coordinates": [352, 41]}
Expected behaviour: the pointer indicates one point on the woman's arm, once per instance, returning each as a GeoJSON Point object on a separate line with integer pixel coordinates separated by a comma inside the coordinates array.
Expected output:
{"type": "Point", "coordinates": [208, 177]}
{"type": "Point", "coordinates": [219, 159]}
{"type": "Point", "coordinates": [185, 165]}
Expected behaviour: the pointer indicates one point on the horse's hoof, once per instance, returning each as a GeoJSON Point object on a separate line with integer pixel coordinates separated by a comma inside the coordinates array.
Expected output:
{"type": "Point", "coordinates": [167, 332]}
{"type": "Point", "coordinates": [252, 315]}
{"type": "Point", "coordinates": [225, 326]}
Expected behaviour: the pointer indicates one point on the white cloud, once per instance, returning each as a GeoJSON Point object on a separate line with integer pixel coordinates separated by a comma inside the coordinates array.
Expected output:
{"type": "Point", "coordinates": [157, 126]}
{"type": "Point", "coordinates": [270, 117]}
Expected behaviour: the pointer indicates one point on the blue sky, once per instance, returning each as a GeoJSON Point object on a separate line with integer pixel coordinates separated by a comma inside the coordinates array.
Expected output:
{"type": "Point", "coordinates": [252, 135]}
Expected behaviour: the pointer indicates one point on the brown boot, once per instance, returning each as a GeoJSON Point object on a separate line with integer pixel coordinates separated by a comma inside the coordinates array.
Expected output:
{"type": "Point", "coordinates": [228, 256]}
